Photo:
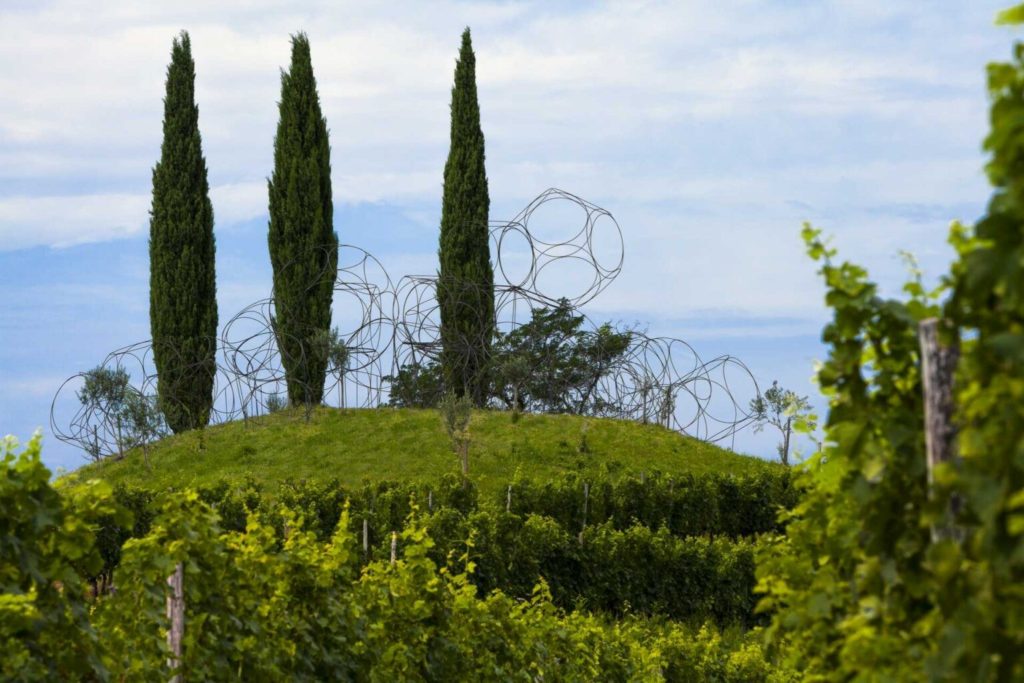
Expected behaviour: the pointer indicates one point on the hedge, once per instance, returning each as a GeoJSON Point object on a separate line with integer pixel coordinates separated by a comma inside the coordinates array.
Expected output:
{"type": "Point", "coordinates": [605, 568]}
{"type": "Point", "coordinates": [712, 505]}
{"type": "Point", "coordinates": [689, 505]}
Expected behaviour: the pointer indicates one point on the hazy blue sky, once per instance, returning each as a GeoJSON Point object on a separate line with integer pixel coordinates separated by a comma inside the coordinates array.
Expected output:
{"type": "Point", "coordinates": [710, 130]}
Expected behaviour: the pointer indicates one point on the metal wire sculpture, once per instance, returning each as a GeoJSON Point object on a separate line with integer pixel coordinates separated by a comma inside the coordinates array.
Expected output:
{"type": "Point", "coordinates": [383, 327]}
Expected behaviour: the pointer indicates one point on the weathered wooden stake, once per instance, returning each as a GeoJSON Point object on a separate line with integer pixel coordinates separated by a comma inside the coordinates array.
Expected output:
{"type": "Point", "coordinates": [394, 547]}
{"type": "Point", "coordinates": [508, 499]}
{"type": "Point", "coordinates": [366, 538]}
{"type": "Point", "coordinates": [430, 500]}
{"type": "Point", "coordinates": [176, 615]}
{"type": "Point", "coordinates": [586, 501]}
{"type": "Point", "coordinates": [938, 364]}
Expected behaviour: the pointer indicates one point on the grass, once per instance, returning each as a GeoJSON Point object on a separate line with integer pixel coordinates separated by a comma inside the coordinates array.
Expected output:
{"type": "Point", "coordinates": [411, 445]}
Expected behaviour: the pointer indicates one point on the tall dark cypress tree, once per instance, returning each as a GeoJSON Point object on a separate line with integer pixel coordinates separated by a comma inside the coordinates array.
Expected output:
{"type": "Point", "coordinates": [182, 273]}
{"type": "Point", "coordinates": [302, 241]}
{"type": "Point", "coordinates": [466, 279]}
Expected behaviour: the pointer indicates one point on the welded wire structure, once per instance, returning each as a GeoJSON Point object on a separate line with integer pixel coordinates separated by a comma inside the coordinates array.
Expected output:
{"type": "Point", "coordinates": [386, 331]}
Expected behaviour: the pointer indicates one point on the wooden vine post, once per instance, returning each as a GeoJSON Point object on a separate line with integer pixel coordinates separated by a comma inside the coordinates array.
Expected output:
{"type": "Point", "coordinates": [176, 615]}
{"type": "Point", "coordinates": [938, 365]}
{"type": "Point", "coordinates": [586, 501]}
{"type": "Point", "coordinates": [586, 504]}
{"type": "Point", "coordinates": [394, 548]}
{"type": "Point", "coordinates": [366, 538]}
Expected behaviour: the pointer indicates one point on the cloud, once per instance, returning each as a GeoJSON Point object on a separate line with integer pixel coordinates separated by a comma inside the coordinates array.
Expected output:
{"type": "Point", "coordinates": [711, 131]}
{"type": "Point", "coordinates": [69, 220]}
{"type": "Point", "coordinates": [64, 221]}
{"type": "Point", "coordinates": [594, 72]}
{"type": "Point", "coordinates": [238, 202]}
{"type": "Point", "coordinates": [35, 386]}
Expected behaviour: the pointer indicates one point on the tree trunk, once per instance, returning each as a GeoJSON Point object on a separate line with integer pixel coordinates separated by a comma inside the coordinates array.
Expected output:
{"type": "Point", "coordinates": [366, 539]}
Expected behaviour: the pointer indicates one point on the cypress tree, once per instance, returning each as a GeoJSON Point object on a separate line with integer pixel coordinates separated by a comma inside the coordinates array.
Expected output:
{"type": "Point", "coordinates": [182, 271]}
{"type": "Point", "coordinates": [302, 241]}
{"type": "Point", "coordinates": [466, 279]}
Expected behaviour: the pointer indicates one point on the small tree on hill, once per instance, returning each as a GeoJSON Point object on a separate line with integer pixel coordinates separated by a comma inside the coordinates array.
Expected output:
{"type": "Point", "coordinates": [782, 409]}
{"type": "Point", "coordinates": [129, 417]}
{"type": "Point", "coordinates": [514, 373]}
{"type": "Point", "coordinates": [456, 412]}
{"type": "Point", "coordinates": [336, 351]}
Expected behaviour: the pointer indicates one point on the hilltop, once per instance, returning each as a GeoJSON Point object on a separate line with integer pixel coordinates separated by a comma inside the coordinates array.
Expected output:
{"type": "Point", "coordinates": [411, 445]}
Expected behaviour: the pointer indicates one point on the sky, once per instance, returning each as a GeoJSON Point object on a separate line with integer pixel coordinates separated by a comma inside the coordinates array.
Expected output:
{"type": "Point", "coordinates": [711, 131]}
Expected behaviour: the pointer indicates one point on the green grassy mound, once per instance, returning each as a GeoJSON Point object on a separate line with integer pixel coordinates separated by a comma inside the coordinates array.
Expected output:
{"type": "Point", "coordinates": [412, 445]}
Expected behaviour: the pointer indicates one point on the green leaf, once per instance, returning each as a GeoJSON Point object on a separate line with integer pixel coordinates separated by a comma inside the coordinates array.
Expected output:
{"type": "Point", "coordinates": [1011, 16]}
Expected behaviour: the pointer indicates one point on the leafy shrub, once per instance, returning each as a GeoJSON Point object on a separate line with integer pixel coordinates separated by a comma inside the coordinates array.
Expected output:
{"type": "Point", "coordinates": [47, 551]}
{"type": "Point", "coordinates": [416, 386]}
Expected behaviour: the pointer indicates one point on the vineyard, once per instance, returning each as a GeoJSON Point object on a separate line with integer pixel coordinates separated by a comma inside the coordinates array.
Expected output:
{"type": "Point", "coordinates": [610, 580]}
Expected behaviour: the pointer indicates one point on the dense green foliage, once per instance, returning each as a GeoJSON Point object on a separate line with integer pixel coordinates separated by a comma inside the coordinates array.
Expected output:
{"type": "Point", "coordinates": [551, 364]}
{"type": "Point", "coordinates": [686, 505]}
{"type": "Point", "coordinates": [860, 587]}
{"type": "Point", "coordinates": [601, 569]}
{"type": "Point", "coordinates": [46, 548]}
{"type": "Point", "coordinates": [416, 385]}
{"type": "Point", "coordinates": [706, 505]}
{"type": "Point", "coordinates": [465, 284]}
{"type": "Point", "coordinates": [303, 244]}
{"type": "Point", "coordinates": [380, 444]}
{"type": "Point", "coordinates": [848, 574]}
{"type": "Point", "coordinates": [182, 268]}
{"type": "Point", "coordinates": [268, 605]}
{"type": "Point", "coordinates": [628, 543]}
